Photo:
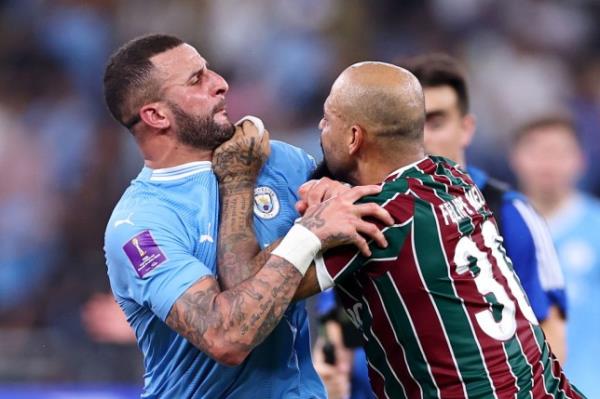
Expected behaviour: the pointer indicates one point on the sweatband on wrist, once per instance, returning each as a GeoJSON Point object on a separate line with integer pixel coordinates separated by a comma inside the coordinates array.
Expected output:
{"type": "Point", "coordinates": [299, 247]}
{"type": "Point", "coordinates": [257, 122]}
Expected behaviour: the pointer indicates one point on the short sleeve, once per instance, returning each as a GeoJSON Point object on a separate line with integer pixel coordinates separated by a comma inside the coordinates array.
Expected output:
{"type": "Point", "coordinates": [531, 250]}
{"type": "Point", "coordinates": [150, 259]}
{"type": "Point", "coordinates": [336, 264]}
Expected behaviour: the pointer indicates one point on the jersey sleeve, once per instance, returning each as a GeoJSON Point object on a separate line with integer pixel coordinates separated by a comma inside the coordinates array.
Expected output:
{"type": "Point", "coordinates": [339, 263]}
{"type": "Point", "coordinates": [150, 259]}
{"type": "Point", "coordinates": [530, 247]}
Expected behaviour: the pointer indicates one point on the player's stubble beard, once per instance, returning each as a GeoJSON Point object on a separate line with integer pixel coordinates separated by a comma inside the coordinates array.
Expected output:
{"type": "Point", "coordinates": [323, 170]}
{"type": "Point", "coordinates": [201, 132]}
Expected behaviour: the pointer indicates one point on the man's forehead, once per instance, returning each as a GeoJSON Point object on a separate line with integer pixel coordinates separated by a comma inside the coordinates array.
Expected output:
{"type": "Point", "coordinates": [440, 96]}
{"type": "Point", "coordinates": [178, 61]}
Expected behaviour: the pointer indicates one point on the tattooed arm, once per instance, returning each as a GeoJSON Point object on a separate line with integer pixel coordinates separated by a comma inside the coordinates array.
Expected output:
{"type": "Point", "coordinates": [228, 324]}
{"type": "Point", "coordinates": [237, 163]}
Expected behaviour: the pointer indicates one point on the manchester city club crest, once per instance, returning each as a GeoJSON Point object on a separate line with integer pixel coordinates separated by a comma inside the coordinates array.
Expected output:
{"type": "Point", "coordinates": [266, 203]}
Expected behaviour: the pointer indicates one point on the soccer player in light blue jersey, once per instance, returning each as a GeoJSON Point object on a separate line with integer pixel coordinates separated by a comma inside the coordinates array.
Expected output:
{"type": "Point", "coordinates": [203, 336]}
{"type": "Point", "coordinates": [548, 161]}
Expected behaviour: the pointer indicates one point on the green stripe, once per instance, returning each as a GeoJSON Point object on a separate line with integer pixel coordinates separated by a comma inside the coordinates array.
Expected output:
{"type": "Point", "coordinates": [436, 275]}
{"type": "Point", "coordinates": [402, 327]}
{"type": "Point", "coordinates": [551, 383]}
{"type": "Point", "coordinates": [465, 225]}
{"type": "Point", "coordinates": [519, 366]}
{"type": "Point", "coordinates": [395, 237]}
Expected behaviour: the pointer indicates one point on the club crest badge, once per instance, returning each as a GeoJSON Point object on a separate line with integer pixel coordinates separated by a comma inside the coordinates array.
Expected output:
{"type": "Point", "coordinates": [266, 203]}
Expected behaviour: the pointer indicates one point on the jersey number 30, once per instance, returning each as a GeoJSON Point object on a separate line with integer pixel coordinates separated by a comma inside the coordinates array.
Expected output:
{"type": "Point", "coordinates": [466, 255]}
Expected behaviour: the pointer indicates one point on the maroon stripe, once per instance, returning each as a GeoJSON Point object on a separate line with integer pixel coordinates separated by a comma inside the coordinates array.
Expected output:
{"type": "Point", "coordinates": [385, 333]}
{"type": "Point", "coordinates": [377, 383]}
{"type": "Point", "coordinates": [427, 324]}
{"type": "Point", "coordinates": [492, 350]}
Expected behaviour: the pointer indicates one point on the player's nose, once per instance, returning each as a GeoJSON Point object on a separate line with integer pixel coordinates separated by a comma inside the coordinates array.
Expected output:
{"type": "Point", "coordinates": [220, 86]}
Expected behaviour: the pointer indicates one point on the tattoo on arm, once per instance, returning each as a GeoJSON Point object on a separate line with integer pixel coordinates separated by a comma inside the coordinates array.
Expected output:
{"type": "Point", "coordinates": [237, 243]}
{"type": "Point", "coordinates": [237, 319]}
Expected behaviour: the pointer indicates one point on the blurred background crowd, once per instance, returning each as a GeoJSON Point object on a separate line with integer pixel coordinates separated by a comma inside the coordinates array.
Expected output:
{"type": "Point", "coordinates": [67, 162]}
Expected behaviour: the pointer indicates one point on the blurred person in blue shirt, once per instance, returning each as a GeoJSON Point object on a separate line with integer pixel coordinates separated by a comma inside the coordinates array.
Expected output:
{"type": "Point", "coordinates": [203, 336]}
{"type": "Point", "coordinates": [548, 160]}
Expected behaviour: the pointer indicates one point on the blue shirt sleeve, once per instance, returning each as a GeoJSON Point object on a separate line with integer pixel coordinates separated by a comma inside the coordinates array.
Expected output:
{"type": "Point", "coordinates": [532, 253]}
{"type": "Point", "coordinates": [149, 258]}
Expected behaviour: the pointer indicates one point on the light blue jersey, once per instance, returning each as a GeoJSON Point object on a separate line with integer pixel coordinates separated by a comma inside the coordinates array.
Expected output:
{"type": "Point", "coordinates": [574, 229]}
{"type": "Point", "coordinates": [161, 239]}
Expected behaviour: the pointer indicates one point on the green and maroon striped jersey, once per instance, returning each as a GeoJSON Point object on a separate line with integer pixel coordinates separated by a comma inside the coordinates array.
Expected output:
{"type": "Point", "coordinates": [441, 311]}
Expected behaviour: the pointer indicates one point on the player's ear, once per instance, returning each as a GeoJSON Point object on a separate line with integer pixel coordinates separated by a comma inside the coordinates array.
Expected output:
{"type": "Point", "coordinates": [468, 124]}
{"type": "Point", "coordinates": [156, 115]}
{"type": "Point", "coordinates": [357, 139]}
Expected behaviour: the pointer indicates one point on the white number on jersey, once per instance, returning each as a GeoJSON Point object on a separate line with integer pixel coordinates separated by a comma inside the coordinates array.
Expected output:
{"type": "Point", "coordinates": [466, 250]}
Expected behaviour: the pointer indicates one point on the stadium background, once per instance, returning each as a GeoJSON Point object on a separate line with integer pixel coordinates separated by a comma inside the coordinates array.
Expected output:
{"type": "Point", "coordinates": [66, 162]}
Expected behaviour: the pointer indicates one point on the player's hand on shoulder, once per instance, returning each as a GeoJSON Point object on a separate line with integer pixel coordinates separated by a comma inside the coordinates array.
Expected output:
{"type": "Point", "coordinates": [242, 156]}
{"type": "Point", "coordinates": [339, 221]}
{"type": "Point", "coordinates": [319, 190]}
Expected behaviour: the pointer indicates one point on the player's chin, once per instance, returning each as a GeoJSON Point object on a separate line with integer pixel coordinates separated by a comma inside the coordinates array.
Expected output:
{"type": "Point", "coordinates": [221, 118]}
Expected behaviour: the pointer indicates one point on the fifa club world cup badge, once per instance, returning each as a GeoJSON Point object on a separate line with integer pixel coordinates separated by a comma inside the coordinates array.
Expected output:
{"type": "Point", "coordinates": [143, 252]}
{"type": "Point", "coordinates": [266, 203]}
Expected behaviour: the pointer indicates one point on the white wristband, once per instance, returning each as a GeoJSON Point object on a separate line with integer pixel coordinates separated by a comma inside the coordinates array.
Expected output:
{"type": "Point", "coordinates": [257, 122]}
{"type": "Point", "coordinates": [299, 247]}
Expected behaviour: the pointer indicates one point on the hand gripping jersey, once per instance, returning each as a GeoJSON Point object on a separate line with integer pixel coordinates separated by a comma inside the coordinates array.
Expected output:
{"type": "Point", "coordinates": [442, 312]}
{"type": "Point", "coordinates": [161, 239]}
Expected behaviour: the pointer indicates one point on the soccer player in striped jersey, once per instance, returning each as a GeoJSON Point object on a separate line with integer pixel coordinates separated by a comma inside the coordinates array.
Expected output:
{"type": "Point", "coordinates": [442, 313]}
{"type": "Point", "coordinates": [449, 128]}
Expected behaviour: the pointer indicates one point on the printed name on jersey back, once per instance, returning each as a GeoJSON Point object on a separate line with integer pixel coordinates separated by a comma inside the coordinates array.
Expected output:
{"type": "Point", "coordinates": [462, 207]}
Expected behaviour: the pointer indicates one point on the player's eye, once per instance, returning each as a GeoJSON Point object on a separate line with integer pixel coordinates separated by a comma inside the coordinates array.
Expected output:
{"type": "Point", "coordinates": [435, 121]}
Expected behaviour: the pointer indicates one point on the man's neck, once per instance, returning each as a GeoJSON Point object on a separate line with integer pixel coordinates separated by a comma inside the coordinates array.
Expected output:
{"type": "Point", "coordinates": [378, 169]}
{"type": "Point", "coordinates": [167, 154]}
{"type": "Point", "coordinates": [548, 205]}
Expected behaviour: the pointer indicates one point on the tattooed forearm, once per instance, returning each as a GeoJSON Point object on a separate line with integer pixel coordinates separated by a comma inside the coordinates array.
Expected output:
{"type": "Point", "coordinates": [229, 324]}
{"type": "Point", "coordinates": [237, 245]}
{"type": "Point", "coordinates": [235, 161]}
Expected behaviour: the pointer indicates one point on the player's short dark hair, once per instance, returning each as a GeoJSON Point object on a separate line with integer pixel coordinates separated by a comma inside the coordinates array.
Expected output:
{"type": "Point", "coordinates": [546, 121]}
{"type": "Point", "coordinates": [438, 69]}
{"type": "Point", "coordinates": [127, 77]}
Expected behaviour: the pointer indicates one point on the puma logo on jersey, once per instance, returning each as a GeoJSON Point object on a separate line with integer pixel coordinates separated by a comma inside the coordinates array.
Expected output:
{"type": "Point", "coordinates": [206, 237]}
{"type": "Point", "coordinates": [127, 220]}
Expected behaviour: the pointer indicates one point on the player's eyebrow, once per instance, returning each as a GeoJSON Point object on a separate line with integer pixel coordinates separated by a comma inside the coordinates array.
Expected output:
{"type": "Point", "coordinates": [197, 72]}
{"type": "Point", "coordinates": [433, 114]}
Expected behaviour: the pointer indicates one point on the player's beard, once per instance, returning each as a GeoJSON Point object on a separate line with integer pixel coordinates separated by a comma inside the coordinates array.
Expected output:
{"type": "Point", "coordinates": [200, 132]}
{"type": "Point", "coordinates": [323, 170]}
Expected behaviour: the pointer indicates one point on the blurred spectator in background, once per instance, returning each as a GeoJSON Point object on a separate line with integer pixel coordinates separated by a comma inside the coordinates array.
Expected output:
{"type": "Point", "coordinates": [548, 160]}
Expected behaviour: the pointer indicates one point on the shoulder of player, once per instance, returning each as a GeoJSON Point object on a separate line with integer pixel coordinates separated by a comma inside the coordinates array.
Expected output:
{"type": "Point", "coordinates": [151, 214]}
{"type": "Point", "coordinates": [285, 154]}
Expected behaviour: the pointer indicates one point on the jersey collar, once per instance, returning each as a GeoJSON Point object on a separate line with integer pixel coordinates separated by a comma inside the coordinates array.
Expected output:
{"type": "Point", "coordinates": [179, 171]}
{"type": "Point", "coordinates": [398, 172]}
